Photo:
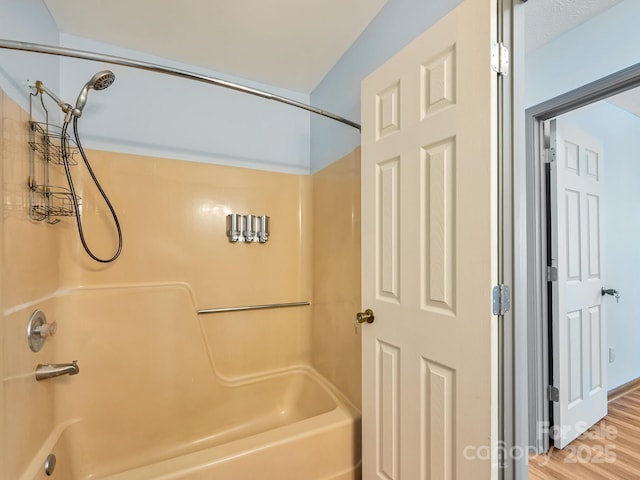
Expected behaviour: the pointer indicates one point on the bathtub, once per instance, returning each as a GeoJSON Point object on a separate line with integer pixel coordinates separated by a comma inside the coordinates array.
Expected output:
{"type": "Point", "coordinates": [165, 412]}
{"type": "Point", "coordinates": [294, 427]}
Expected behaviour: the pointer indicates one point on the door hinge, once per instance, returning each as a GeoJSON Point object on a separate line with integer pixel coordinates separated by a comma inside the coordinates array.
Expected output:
{"type": "Point", "coordinates": [501, 299]}
{"type": "Point", "coordinates": [553, 393]}
{"type": "Point", "coordinates": [552, 274]}
{"type": "Point", "coordinates": [500, 58]}
{"type": "Point", "coordinates": [551, 155]}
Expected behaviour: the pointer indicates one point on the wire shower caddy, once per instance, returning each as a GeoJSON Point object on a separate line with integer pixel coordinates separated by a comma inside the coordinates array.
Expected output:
{"type": "Point", "coordinates": [46, 201]}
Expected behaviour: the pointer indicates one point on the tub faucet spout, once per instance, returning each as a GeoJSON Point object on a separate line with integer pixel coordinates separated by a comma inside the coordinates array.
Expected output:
{"type": "Point", "coordinates": [56, 369]}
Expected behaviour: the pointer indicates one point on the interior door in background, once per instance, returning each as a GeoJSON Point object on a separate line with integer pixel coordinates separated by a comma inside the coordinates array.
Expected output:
{"type": "Point", "coordinates": [578, 323]}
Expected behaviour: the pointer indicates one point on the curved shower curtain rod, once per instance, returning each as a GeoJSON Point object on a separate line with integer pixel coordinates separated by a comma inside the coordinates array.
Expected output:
{"type": "Point", "coordinates": [153, 67]}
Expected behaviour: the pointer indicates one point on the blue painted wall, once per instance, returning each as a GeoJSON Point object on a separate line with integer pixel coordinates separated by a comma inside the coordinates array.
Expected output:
{"type": "Point", "coordinates": [160, 115]}
{"type": "Point", "coordinates": [26, 21]}
{"type": "Point", "coordinates": [397, 24]}
{"type": "Point", "coordinates": [597, 48]}
{"type": "Point", "coordinates": [153, 114]}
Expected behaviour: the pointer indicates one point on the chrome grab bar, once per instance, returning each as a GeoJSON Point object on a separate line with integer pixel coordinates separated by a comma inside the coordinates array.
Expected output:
{"type": "Point", "coordinates": [253, 307]}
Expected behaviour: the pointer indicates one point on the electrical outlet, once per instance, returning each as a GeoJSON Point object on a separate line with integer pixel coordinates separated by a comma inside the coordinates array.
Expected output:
{"type": "Point", "coordinates": [612, 354]}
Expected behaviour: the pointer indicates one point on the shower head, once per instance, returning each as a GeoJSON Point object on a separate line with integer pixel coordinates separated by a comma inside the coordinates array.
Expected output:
{"type": "Point", "coordinates": [99, 81]}
{"type": "Point", "coordinates": [102, 80]}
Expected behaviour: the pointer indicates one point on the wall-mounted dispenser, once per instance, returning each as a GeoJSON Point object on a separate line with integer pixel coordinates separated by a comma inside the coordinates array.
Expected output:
{"type": "Point", "coordinates": [247, 228]}
{"type": "Point", "coordinates": [263, 230]}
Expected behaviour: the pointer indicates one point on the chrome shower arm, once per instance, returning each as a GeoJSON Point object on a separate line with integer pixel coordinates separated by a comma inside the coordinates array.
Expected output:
{"type": "Point", "coordinates": [39, 86]}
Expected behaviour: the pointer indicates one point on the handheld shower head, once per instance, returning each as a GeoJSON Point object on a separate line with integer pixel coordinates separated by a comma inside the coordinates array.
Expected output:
{"type": "Point", "coordinates": [102, 80]}
{"type": "Point", "coordinates": [99, 81]}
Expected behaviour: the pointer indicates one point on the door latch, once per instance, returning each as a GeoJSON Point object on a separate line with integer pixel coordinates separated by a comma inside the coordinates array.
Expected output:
{"type": "Point", "coordinates": [362, 317]}
{"type": "Point", "coordinates": [611, 291]}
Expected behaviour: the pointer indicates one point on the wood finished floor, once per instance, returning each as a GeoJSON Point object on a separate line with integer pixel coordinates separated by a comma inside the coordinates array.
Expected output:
{"type": "Point", "coordinates": [609, 450]}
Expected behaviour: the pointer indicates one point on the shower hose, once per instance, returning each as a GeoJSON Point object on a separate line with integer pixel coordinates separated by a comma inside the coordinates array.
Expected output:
{"type": "Point", "coordinates": [74, 199]}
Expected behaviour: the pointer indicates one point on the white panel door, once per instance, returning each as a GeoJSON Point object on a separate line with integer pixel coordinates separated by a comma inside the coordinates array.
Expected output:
{"type": "Point", "coordinates": [429, 253]}
{"type": "Point", "coordinates": [579, 328]}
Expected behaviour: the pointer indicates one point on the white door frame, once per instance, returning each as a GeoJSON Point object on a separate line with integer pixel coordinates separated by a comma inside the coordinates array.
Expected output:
{"type": "Point", "coordinates": [512, 386]}
{"type": "Point", "coordinates": [531, 233]}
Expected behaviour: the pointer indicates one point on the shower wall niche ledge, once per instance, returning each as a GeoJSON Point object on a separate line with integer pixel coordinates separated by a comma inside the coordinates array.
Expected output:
{"type": "Point", "coordinates": [48, 147]}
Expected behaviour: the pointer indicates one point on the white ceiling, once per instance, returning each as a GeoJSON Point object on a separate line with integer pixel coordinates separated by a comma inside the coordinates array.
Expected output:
{"type": "Point", "coordinates": [547, 19]}
{"type": "Point", "coordinates": [287, 43]}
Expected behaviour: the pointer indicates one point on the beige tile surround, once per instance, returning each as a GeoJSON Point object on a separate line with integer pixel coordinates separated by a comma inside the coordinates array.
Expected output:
{"type": "Point", "coordinates": [173, 216]}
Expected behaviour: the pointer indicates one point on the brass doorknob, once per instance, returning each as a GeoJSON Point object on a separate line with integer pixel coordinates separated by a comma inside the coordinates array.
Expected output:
{"type": "Point", "coordinates": [366, 316]}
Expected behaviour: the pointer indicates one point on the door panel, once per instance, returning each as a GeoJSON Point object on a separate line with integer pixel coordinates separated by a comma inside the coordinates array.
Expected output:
{"type": "Point", "coordinates": [579, 334]}
{"type": "Point", "coordinates": [388, 217]}
{"type": "Point", "coordinates": [438, 219]}
{"type": "Point", "coordinates": [388, 421]}
{"type": "Point", "coordinates": [429, 253]}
